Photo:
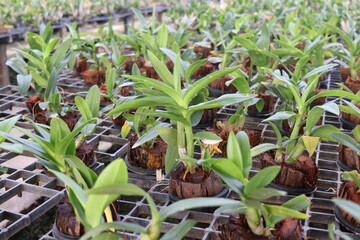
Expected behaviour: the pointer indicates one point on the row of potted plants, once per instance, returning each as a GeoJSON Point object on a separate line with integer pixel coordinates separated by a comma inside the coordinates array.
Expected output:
{"type": "Point", "coordinates": [31, 14]}
{"type": "Point", "coordinates": [168, 100]}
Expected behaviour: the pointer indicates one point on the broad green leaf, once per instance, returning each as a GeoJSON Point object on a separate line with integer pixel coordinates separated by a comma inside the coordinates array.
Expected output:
{"type": "Point", "coordinates": [51, 88]}
{"type": "Point", "coordinates": [191, 92]}
{"type": "Point", "coordinates": [224, 100]}
{"type": "Point", "coordinates": [39, 80]}
{"type": "Point", "coordinates": [162, 37]}
{"type": "Point", "coordinates": [84, 108]}
{"type": "Point", "coordinates": [150, 134]}
{"type": "Point", "coordinates": [285, 212]}
{"type": "Point", "coordinates": [49, 47]}
{"type": "Point", "coordinates": [24, 82]}
{"type": "Point", "coordinates": [169, 135]}
{"type": "Point", "coordinates": [244, 144]}
{"type": "Point", "coordinates": [126, 189]}
{"type": "Point", "coordinates": [189, 72]}
{"type": "Point", "coordinates": [58, 131]}
{"type": "Point", "coordinates": [172, 154]}
{"type": "Point", "coordinates": [193, 203]}
{"type": "Point", "coordinates": [280, 116]}
{"type": "Point", "coordinates": [265, 193]}
{"type": "Point", "coordinates": [7, 125]}
{"type": "Point", "coordinates": [162, 86]}
{"type": "Point", "coordinates": [233, 152]}
{"type": "Point", "coordinates": [262, 148]}
{"type": "Point", "coordinates": [208, 137]}
{"type": "Point", "coordinates": [141, 102]}
{"type": "Point", "coordinates": [224, 165]}
{"type": "Point", "coordinates": [140, 16]}
{"type": "Point", "coordinates": [347, 141]}
{"type": "Point", "coordinates": [93, 100]}
{"type": "Point", "coordinates": [312, 118]}
{"type": "Point", "coordinates": [85, 174]}
{"type": "Point", "coordinates": [161, 69]}
{"type": "Point", "coordinates": [236, 208]}
{"type": "Point", "coordinates": [115, 172]}
{"type": "Point", "coordinates": [262, 179]}
{"type": "Point", "coordinates": [348, 206]}
{"type": "Point", "coordinates": [324, 132]}
{"type": "Point", "coordinates": [15, 148]}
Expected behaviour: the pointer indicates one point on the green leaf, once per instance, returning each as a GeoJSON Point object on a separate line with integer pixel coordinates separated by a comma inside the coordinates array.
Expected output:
{"type": "Point", "coordinates": [244, 144]}
{"type": "Point", "coordinates": [347, 141]}
{"type": "Point", "coordinates": [348, 206]}
{"type": "Point", "coordinates": [51, 88]}
{"type": "Point", "coordinates": [285, 212]}
{"type": "Point", "coordinates": [236, 208]}
{"type": "Point", "coordinates": [161, 69]}
{"type": "Point", "coordinates": [332, 93]}
{"type": "Point", "coordinates": [356, 133]}
{"type": "Point", "coordinates": [162, 37]}
{"type": "Point", "coordinates": [123, 226]}
{"type": "Point", "coordinates": [85, 174]}
{"type": "Point", "coordinates": [264, 193]}
{"type": "Point", "coordinates": [162, 86]}
{"type": "Point", "coordinates": [60, 54]}
{"type": "Point", "coordinates": [93, 100]}
{"type": "Point", "coordinates": [264, 41]}
{"type": "Point", "coordinates": [351, 176]}
{"type": "Point", "coordinates": [77, 190]}
{"type": "Point", "coordinates": [58, 131]}
{"type": "Point", "coordinates": [324, 132]}
{"type": "Point", "coordinates": [24, 82]}
{"type": "Point", "coordinates": [49, 47]}
{"type": "Point", "coordinates": [191, 92]}
{"type": "Point", "coordinates": [189, 72]}
{"type": "Point", "coordinates": [224, 100]}
{"type": "Point", "coordinates": [169, 135]}
{"type": "Point", "coordinates": [208, 137]}
{"type": "Point", "coordinates": [115, 172]}
{"type": "Point", "coordinates": [241, 84]}
{"type": "Point", "coordinates": [262, 179]}
{"type": "Point", "coordinates": [84, 108]}
{"type": "Point", "coordinates": [126, 189]}
{"type": "Point", "coordinates": [312, 118]}
{"type": "Point", "coordinates": [140, 16]}
{"type": "Point", "coordinates": [7, 125]}
{"type": "Point", "coordinates": [259, 149]}
{"type": "Point", "coordinates": [15, 148]}
{"type": "Point", "coordinates": [150, 134]}
{"type": "Point", "coordinates": [226, 166]}
{"type": "Point", "coordinates": [193, 203]}
{"type": "Point", "coordinates": [172, 154]}
{"type": "Point", "coordinates": [177, 75]}
{"type": "Point", "coordinates": [233, 152]}
{"type": "Point", "coordinates": [319, 70]}
{"type": "Point", "coordinates": [280, 116]}
{"type": "Point", "coordinates": [141, 102]}
{"type": "Point", "coordinates": [179, 231]}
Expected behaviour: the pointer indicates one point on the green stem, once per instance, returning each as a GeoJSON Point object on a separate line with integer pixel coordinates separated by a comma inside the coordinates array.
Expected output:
{"type": "Point", "coordinates": [181, 139]}
{"type": "Point", "coordinates": [189, 141]}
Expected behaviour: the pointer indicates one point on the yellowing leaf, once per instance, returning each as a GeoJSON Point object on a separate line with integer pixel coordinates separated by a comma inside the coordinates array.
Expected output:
{"type": "Point", "coordinates": [310, 143]}
{"type": "Point", "coordinates": [125, 129]}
